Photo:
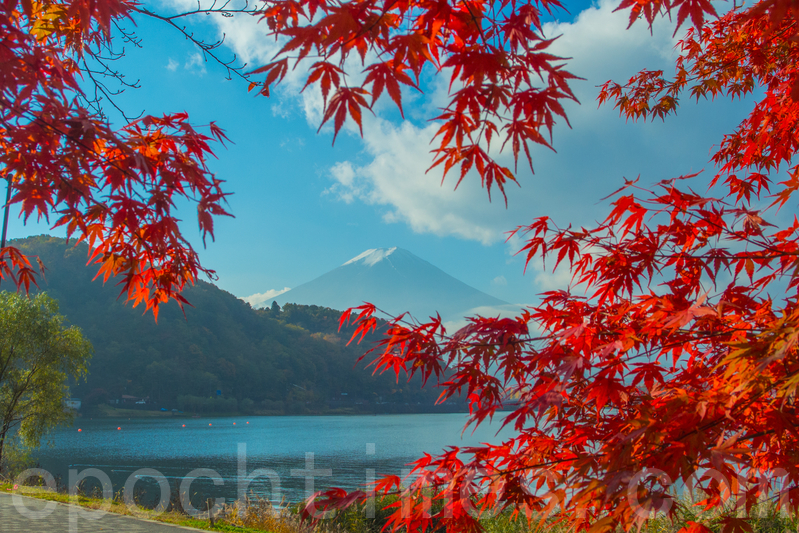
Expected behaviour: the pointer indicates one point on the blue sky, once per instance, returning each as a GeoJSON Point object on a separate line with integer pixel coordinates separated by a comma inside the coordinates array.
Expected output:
{"type": "Point", "coordinates": [303, 207]}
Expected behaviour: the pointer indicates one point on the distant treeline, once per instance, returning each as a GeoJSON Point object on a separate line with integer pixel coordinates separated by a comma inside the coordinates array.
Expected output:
{"type": "Point", "coordinates": [223, 356]}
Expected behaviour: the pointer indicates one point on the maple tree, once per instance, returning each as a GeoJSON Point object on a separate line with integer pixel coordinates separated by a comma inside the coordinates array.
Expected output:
{"type": "Point", "coordinates": [672, 357]}
{"type": "Point", "coordinates": [115, 188]}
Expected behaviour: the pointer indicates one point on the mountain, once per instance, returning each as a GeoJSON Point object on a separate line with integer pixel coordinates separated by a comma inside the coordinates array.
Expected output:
{"type": "Point", "coordinates": [395, 280]}
{"type": "Point", "coordinates": [292, 360]}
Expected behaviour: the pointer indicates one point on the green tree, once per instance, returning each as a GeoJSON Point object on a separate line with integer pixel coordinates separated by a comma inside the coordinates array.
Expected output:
{"type": "Point", "coordinates": [38, 355]}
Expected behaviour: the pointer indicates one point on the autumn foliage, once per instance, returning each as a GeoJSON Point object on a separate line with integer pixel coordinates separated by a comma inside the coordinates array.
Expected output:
{"type": "Point", "coordinates": [672, 356]}
{"type": "Point", "coordinates": [117, 189]}
{"type": "Point", "coordinates": [506, 89]}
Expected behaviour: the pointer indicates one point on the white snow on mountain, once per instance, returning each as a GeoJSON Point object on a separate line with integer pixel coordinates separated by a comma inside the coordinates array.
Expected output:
{"type": "Point", "coordinates": [395, 281]}
{"type": "Point", "coordinates": [371, 257]}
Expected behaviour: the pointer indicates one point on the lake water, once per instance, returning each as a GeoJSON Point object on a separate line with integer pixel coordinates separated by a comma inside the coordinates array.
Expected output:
{"type": "Point", "coordinates": [352, 448]}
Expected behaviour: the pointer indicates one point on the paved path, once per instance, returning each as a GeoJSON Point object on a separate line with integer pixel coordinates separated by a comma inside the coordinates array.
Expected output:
{"type": "Point", "coordinates": [39, 516]}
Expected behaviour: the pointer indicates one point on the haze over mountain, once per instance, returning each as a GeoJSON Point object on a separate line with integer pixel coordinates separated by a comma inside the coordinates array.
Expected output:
{"type": "Point", "coordinates": [222, 355]}
{"type": "Point", "coordinates": [393, 279]}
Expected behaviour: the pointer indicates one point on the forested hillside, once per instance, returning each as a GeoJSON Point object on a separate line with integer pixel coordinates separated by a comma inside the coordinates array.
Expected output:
{"type": "Point", "coordinates": [291, 361]}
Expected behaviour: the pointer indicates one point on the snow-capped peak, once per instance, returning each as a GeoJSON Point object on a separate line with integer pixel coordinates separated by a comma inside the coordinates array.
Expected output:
{"type": "Point", "coordinates": [373, 256]}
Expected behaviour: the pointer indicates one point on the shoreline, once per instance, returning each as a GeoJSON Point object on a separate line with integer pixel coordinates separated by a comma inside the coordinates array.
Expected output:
{"type": "Point", "coordinates": [113, 412]}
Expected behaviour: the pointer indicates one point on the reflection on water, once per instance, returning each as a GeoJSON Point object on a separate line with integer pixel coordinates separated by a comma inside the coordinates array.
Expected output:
{"type": "Point", "coordinates": [345, 451]}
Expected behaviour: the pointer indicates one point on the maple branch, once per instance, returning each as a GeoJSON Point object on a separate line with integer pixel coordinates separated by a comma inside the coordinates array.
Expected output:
{"type": "Point", "coordinates": [714, 422]}
{"type": "Point", "coordinates": [223, 10]}
{"type": "Point", "coordinates": [78, 142]}
{"type": "Point", "coordinates": [101, 87]}
{"type": "Point", "coordinates": [85, 147]}
{"type": "Point", "coordinates": [476, 22]}
{"type": "Point", "coordinates": [366, 29]}
{"type": "Point", "coordinates": [710, 70]}
{"type": "Point", "coordinates": [6, 207]}
{"type": "Point", "coordinates": [623, 468]}
{"type": "Point", "coordinates": [128, 36]}
{"type": "Point", "coordinates": [207, 48]}
{"type": "Point", "coordinates": [129, 232]}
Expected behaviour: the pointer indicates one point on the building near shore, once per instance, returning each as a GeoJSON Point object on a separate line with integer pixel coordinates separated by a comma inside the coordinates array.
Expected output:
{"type": "Point", "coordinates": [72, 403]}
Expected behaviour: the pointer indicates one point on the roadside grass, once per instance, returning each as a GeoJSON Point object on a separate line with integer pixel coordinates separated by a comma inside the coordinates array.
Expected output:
{"type": "Point", "coordinates": [116, 506]}
{"type": "Point", "coordinates": [763, 517]}
{"type": "Point", "coordinates": [258, 516]}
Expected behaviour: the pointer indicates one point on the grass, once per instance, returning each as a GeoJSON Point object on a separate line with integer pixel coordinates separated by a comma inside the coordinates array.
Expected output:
{"type": "Point", "coordinates": [764, 517]}
{"type": "Point", "coordinates": [118, 507]}
{"type": "Point", "coordinates": [259, 516]}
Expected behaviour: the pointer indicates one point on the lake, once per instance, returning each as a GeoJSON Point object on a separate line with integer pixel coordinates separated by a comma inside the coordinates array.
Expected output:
{"type": "Point", "coordinates": [353, 449]}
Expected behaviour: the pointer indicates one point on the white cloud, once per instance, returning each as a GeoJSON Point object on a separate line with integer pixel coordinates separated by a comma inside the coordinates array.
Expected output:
{"type": "Point", "coordinates": [390, 173]}
{"type": "Point", "coordinates": [545, 278]}
{"type": "Point", "coordinates": [345, 187]}
{"type": "Point", "coordinates": [499, 280]}
{"type": "Point", "coordinates": [172, 65]}
{"type": "Point", "coordinates": [396, 179]}
{"type": "Point", "coordinates": [280, 109]}
{"type": "Point", "coordinates": [195, 64]}
{"type": "Point", "coordinates": [262, 299]}
{"type": "Point", "coordinates": [492, 311]}
{"type": "Point", "coordinates": [248, 39]}
{"type": "Point", "coordinates": [292, 144]}
{"type": "Point", "coordinates": [399, 154]}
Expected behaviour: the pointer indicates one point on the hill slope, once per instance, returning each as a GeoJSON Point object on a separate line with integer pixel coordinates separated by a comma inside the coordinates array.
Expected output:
{"type": "Point", "coordinates": [395, 280]}
{"type": "Point", "coordinates": [291, 362]}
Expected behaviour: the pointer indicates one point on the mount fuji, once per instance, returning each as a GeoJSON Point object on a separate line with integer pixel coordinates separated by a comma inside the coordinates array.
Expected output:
{"type": "Point", "coordinates": [395, 280]}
